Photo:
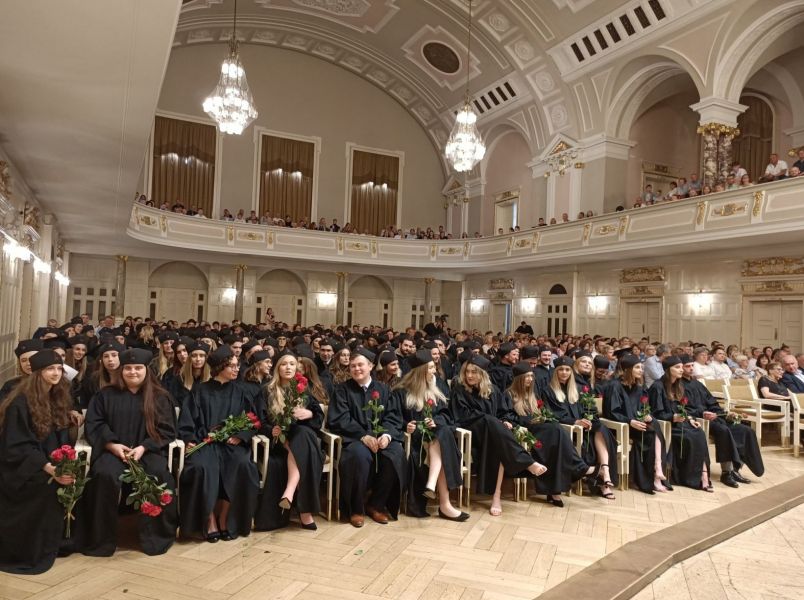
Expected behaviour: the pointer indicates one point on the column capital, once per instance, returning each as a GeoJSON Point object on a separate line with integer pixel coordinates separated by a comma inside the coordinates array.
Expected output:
{"type": "Point", "coordinates": [718, 129]}
{"type": "Point", "coordinates": [240, 267]}
{"type": "Point", "coordinates": [340, 274]}
{"type": "Point", "coordinates": [718, 110]}
{"type": "Point", "coordinates": [429, 280]}
{"type": "Point", "coordinates": [122, 258]}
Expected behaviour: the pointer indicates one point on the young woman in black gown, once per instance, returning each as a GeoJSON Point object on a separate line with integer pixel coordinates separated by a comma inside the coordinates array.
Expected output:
{"type": "Point", "coordinates": [219, 483]}
{"type": "Point", "coordinates": [690, 463]}
{"type": "Point", "coordinates": [562, 396]}
{"type": "Point", "coordinates": [133, 418]}
{"type": "Point", "coordinates": [474, 402]}
{"type": "Point", "coordinates": [441, 470]}
{"type": "Point", "coordinates": [106, 372]}
{"type": "Point", "coordinates": [624, 398]}
{"type": "Point", "coordinates": [171, 379]}
{"type": "Point", "coordinates": [295, 465]}
{"type": "Point", "coordinates": [34, 421]}
{"type": "Point", "coordinates": [24, 351]}
{"type": "Point", "coordinates": [556, 450]}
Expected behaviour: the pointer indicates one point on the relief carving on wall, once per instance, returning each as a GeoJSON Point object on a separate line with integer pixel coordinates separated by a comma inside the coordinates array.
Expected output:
{"type": "Point", "coordinates": [732, 208]}
{"type": "Point", "coordinates": [640, 291]}
{"type": "Point", "coordinates": [501, 284]}
{"type": "Point", "coordinates": [525, 243]}
{"type": "Point", "coordinates": [700, 213]}
{"type": "Point", "coordinates": [606, 229]}
{"type": "Point", "coordinates": [777, 265]}
{"type": "Point", "coordinates": [5, 178]}
{"type": "Point", "coordinates": [451, 250]}
{"type": "Point", "coordinates": [759, 198]}
{"type": "Point", "coordinates": [640, 274]}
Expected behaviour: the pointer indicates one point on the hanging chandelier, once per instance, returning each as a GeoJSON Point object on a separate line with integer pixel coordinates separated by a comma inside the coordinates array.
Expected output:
{"type": "Point", "coordinates": [230, 104]}
{"type": "Point", "coordinates": [465, 147]}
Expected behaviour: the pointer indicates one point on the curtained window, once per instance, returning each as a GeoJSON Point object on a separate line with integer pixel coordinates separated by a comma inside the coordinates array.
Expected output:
{"type": "Point", "coordinates": [753, 146]}
{"type": "Point", "coordinates": [286, 177]}
{"type": "Point", "coordinates": [183, 164]}
{"type": "Point", "coordinates": [375, 183]}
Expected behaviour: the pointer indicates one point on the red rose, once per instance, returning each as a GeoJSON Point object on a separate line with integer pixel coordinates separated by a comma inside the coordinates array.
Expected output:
{"type": "Point", "coordinates": [166, 498]}
{"type": "Point", "coordinates": [430, 402]}
{"type": "Point", "coordinates": [71, 454]}
{"type": "Point", "coordinates": [66, 448]}
{"type": "Point", "coordinates": [300, 387]}
{"type": "Point", "coordinates": [57, 455]}
{"type": "Point", "coordinates": [537, 444]}
{"type": "Point", "coordinates": [539, 404]}
{"type": "Point", "coordinates": [155, 511]}
{"type": "Point", "coordinates": [375, 395]}
{"type": "Point", "coordinates": [146, 508]}
{"type": "Point", "coordinates": [586, 389]}
{"type": "Point", "coordinates": [256, 424]}
{"type": "Point", "coordinates": [207, 440]}
{"type": "Point", "coordinates": [684, 401]}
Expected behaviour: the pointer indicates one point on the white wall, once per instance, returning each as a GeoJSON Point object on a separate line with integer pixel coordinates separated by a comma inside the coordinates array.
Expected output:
{"type": "Point", "coordinates": [302, 95]}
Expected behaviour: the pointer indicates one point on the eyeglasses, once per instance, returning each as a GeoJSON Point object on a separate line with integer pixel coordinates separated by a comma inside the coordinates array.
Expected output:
{"type": "Point", "coordinates": [233, 366]}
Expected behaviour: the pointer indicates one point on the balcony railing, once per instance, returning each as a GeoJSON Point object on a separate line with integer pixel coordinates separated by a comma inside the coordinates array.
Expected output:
{"type": "Point", "coordinates": [732, 219]}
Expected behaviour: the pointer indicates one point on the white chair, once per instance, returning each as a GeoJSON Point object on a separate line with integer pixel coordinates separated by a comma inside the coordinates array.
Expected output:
{"type": "Point", "coordinates": [463, 437]}
{"type": "Point", "coordinates": [745, 401]}
{"type": "Point", "coordinates": [623, 443]}
{"type": "Point", "coordinates": [798, 423]}
{"type": "Point", "coordinates": [716, 387]}
{"type": "Point", "coordinates": [81, 443]}
{"type": "Point", "coordinates": [576, 435]}
{"type": "Point", "coordinates": [333, 444]}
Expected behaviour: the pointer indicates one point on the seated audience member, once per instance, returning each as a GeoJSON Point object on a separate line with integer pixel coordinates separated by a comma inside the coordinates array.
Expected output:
{"type": "Point", "coordinates": [335, 228]}
{"type": "Point", "coordinates": [745, 181]}
{"type": "Point", "coordinates": [795, 172]}
{"type": "Point", "coordinates": [799, 164]}
{"type": "Point", "coordinates": [683, 188]}
{"type": "Point", "coordinates": [565, 218]}
{"type": "Point", "coordinates": [738, 171]}
{"type": "Point", "coordinates": [793, 378]}
{"type": "Point", "coordinates": [648, 197]}
{"type": "Point", "coordinates": [702, 370]}
{"type": "Point", "coordinates": [226, 216]}
{"type": "Point", "coordinates": [743, 370]}
{"type": "Point", "coordinates": [771, 386]}
{"type": "Point", "coordinates": [706, 190]}
{"type": "Point", "coordinates": [541, 222]}
{"type": "Point", "coordinates": [731, 182]}
{"type": "Point", "coordinates": [776, 169]}
{"type": "Point", "coordinates": [694, 183]}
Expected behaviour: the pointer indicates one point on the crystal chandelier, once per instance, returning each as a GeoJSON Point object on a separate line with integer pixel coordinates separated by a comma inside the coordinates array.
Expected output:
{"type": "Point", "coordinates": [465, 147]}
{"type": "Point", "coordinates": [230, 104]}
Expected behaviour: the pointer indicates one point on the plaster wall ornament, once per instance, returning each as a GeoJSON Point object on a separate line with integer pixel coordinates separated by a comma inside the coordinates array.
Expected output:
{"type": "Point", "coordinates": [499, 22]}
{"type": "Point", "coordinates": [558, 115]}
{"type": "Point", "coordinates": [774, 266]}
{"type": "Point", "coordinates": [544, 81]}
{"type": "Point", "coordinates": [640, 274]}
{"type": "Point", "coordinates": [342, 8]}
{"type": "Point", "coordinates": [501, 284]}
{"type": "Point", "coordinates": [524, 51]}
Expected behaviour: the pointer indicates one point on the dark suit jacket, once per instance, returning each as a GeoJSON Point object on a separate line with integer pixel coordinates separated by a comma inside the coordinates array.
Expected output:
{"type": "Point", "coordinates": [793, 383]}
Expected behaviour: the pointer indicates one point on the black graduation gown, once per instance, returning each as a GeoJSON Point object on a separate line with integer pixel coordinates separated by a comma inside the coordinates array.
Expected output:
{"type": "Point", "coordinates": [32, 520]}
{"type": "Point", "coordinates": [568, 413]}
{"type": "Point", "coordinates": [492, 442]}
{"type": "Point", "coordinates": [303, 440]}
{"type": "Point", "coordinates": [174, 385]}
{"type": "Point", "coordinates": [218, 470]}
{"type": "Point", "coordinates": [690, 446]}
{"type": "Point", "coordinates": [734, 442]}
{"type": "Point", "coordinates": [558, 454]}
{"type": "Point", "coordinates": [8, 386]}
{"type": "Point", "coordinates": [542, 376]}
{"type": "Point", "coordinates": [88, 389]}
{"type": "Point", "coordinates": [501, 376]}
{"type": "Point", "coordinates": [418, 469]}
{"type": "Point", "coordinates": [358, 473]}
{"type": "Point", "coordinates": [622, 404]}
{"type": "Point", "coordinates": [116, 416]}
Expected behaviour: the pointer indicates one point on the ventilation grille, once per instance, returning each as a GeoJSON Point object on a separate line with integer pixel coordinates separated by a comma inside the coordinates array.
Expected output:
{"type": "Point", "coordinates": [632, 22]}
{"type": "Point", "coordinates": [499, 95]}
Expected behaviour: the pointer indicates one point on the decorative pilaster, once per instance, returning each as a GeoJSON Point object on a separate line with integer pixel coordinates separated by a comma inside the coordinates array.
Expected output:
{"type": "Point", "coordinates": [240, 287]}
{"type": "Point", "coordinates": [428, 303]}
{"type": "Point", "coordinates": [120, 289]}
{"type": "Point", "coordinates": [717, 151]}
{"type": "Point", "coordinates": [340, 305]}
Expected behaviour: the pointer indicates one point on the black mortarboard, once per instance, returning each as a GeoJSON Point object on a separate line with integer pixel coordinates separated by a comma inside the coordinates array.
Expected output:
{"type": "Point", "coordinates": [51, 343]}
{"type": "Point", "coordinates": [530, 352]}
{"type": "Point", "coordinates": [304, 350]}
{"type": "Point", "coordinates": [522, 368]}
{"type": "Point", "coordinates": [620, 352]}
{"type": "Point", "coordinates": [671, 361]}
{"type": "Point", "coordinates": [45, 358]}
{"type": "Point", "coordinates": [25, 346]}
{"type": "Point", "coordinates": [601, 362]}
{"type": "Point", "coordinates": [258, 356]}
{"type": "Point", "coordinates": [387, 357]}
{"type": "Point", "coordinates": [367, 354]}
{"type": "Point", "coordinates": [422, 357]}
{"type": "Point", "coordinates": [136, 356]}
{"type": "Point", "coordinates": [220, 356]}
{"type": "Point", "coordinates": [111, 345]}
{"type": "Point", "coordinates": [628, 361]}
{"type": "Point", "coordinates": [479, 361]}
{"type": "Point", "coordinates": [563, 361]}
{"type": "Point", "coordinates": [506, 348]}
{"type": "Point", "coordinates": [685, 359]}
{"type": "Point", "coordinates": [78, 339]}
{"type": "Point", "coordinates": [168, 335]}
{"type": "Point", "coordinates": [195, 346]}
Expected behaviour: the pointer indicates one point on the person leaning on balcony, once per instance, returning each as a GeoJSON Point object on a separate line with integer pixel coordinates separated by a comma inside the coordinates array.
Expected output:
{"type": "Point", "coordinates": [776, 169]}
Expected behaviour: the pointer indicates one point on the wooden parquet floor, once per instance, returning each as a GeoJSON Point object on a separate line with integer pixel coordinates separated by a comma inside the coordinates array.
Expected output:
{"type": "Point", "coordinates": [530, 548]}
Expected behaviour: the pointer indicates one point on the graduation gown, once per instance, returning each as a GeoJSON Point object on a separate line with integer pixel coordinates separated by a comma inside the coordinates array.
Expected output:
{"type": "Point", "coordinates": [501, 376]}
{"type": "Point", "coordinates": [8, 386]}
{"type": "Point", "coordinates": [492, 442]}
{"type": "Point", "coordinates": [622, 404]}
{"type": "Point", "coordinates": [304, 443]}
{"type": "Point", "coordinates": [418, 468]}
{"type": "Point", "coordinates": [219, 470]}
{"type": "Point", "coordinates": [558, 454]}
{"type": "Point", "coordinates": [568, 413]}
{"type": "Point", "coordinates": [542, 376]}
{"type": "Point", "coordinates": [116, 416]}
{"type": "Point", "coordinates": [358, 473]}
{"type": "Point", "coordinates": [690, 451]}
{"type": "Point", "coordinates": [32, 519]}
{"type": "Point", "coordinates": [174, 385]}
{"type": "Point", "coordinates": [734, 442]}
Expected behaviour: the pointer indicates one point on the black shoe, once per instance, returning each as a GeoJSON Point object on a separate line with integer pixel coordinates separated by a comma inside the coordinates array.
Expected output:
{"type": "Point", "coordinates": [666, 483]}
{"type": "Point", "coordinates": [727, 478]}
{"type": "Point", "coordinates": [226, 536]}
{"type": "Point", "coordinates": [739, 478]}
{"type": "Point", "coordinates": [459, 519]}
{"type": "Point", "coordinates": [310, 526]}
{"type": "Point", "coordinates": [213, 537]}
{"type": "Point", "coordinates": [555, 501]}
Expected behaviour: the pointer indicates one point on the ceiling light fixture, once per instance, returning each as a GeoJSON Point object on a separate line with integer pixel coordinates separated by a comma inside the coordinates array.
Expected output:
{"type": "Point", "coordinates": [465, 147]}
{"type": "Point", "coordinates": [230, 104]}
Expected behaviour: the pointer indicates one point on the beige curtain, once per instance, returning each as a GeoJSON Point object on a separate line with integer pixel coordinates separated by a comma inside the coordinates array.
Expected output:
{"type": "Point", "coordinates": [375, 182]}
{"type": "Point", "coordinates": [286, 177]}
{"type": "Point", "coordinates": [183, 164]}
{"type": "Point", "coordinates": [753, 146]}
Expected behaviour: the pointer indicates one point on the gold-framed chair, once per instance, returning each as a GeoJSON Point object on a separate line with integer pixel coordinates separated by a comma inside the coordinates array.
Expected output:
{"type": "Point", "coordinates": [798, 422]}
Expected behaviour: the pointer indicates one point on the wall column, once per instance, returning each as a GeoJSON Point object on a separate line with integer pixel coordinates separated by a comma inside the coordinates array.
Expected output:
{"type": "Point", "coordinates": [120, 289]}
{"type": "Point", "coordinates": [340, 305]}
{"type": "Point", "coordinates": [428, 303]}
{"type": "Point", "coordinates": [718, 126]}
{"type": "Point", "coordinates": [240, 287]}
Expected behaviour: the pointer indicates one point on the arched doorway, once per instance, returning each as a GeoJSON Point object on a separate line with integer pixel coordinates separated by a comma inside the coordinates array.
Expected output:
{"type": "Point", "coordinates": [755, 142]}
{"type": "Point", "coordinates": [369, 302]}
{"type": "Point", "coordinates": [284, 293]}
{"type": "Point", "coordinates": [177, 290]}
{"type": "Point", "coordinates": [557, 310]}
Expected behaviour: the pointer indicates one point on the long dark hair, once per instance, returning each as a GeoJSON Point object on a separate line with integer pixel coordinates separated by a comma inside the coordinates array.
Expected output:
{"type": "Point", "coordinates": [151, 391]}
{"type": "Point", "coordinates": [674, 391]}
{"type": "Point", "coordinates": [316, 389]}
{"type": "Point", "coordinates": [49, 408]}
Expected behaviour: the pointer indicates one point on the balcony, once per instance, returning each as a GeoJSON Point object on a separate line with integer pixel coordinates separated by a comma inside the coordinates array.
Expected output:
{"type": "Point", "coordinates": [761, 216]}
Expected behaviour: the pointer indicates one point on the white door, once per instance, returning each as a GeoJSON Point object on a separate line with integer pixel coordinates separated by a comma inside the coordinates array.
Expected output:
{"type": "Point", "coordinates": [776, 322]}
{"type": "Point", "coordinates": [175, 304]}
{"type": "Point", "coordinates": [283, 305]}
{"type": "Point", "coordinates": [366, 311]}
{"type": "Point", "coordinates": [506, 215]}
{"type": "Point", "coordinates": [643, 319]}
{"type": "Point", "coordinates": [499, 319]}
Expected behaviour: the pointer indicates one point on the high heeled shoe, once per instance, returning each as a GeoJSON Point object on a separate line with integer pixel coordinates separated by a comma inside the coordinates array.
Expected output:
{"type": "Point", "coordinates": [213, 537]}
{"type": "Point", "coordinates": [309, 526]}
{"type": "Point", "coordinates": [284, 503]}
{"type": "Point", "coordinates": [429, 493]}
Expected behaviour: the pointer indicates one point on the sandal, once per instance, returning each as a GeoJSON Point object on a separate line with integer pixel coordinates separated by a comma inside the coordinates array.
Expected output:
{"type": "Point", "coordinates": [606, 483]}
{"type": "Point", "coordinates": [284, 504]}
{"type": "Point", "coordinates": [495, 511]}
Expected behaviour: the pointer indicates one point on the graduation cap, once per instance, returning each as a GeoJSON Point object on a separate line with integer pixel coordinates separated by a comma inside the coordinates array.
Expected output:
{"type": "Point", "coordinates": [387, 357]}
{"type": "Point", "coordinates": [479, 361]}
{"type": "Point", "coordinates": [506, 348]}
{"type": "Point", "coordinates": [305, 351]}
{"type": "Point", "coordinates": [628, 361]}
{"type": "Point", "coordinates": [45, 358]}
{"type": "Point", "coordinates": [258, 356]}
{"type": "Point", "coordinates": [78, 340]}
{"type": "Point", "coordinates": [196, 346]}
{"type": "Point", "coordinates": [25, 346]}
{"type": "Point", "coordinates": [168, 335]}
{"type": "Point", "coordinates": [522, 368]}
{"type": "Point", "coordinates": [220, 356]}
{"type": "Point", "coordinates": [135, 356]}
{"type": "Point", "coordinates": [620, 352]}
{"type": "Point", "coordinates": [671, 361]}
{"type": "Point", "coordinates": [563, 361]}
{"type": "Point", "coordinates": [422, 357]}
{"type": "Point", "coordinates": [367, 354]}
{"type": "Point", "coordinates": [530, 352]}
{"type": "Point", "coordinates": [601, 362]}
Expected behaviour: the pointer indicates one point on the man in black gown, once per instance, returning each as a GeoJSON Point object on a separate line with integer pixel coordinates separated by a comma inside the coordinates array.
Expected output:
{"type": "Point", "coordinates": [370, 459]}
{"type": "Point", "coordinates": [735, 443]}
{"type": "Point", "coordinates": [502, 373]}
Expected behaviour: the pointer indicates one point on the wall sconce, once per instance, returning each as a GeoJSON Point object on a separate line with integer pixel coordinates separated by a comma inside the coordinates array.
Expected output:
{"type": "Point", "coordinates": [700, 302]}
{"type": "Point", "coordinates": [327, 300]}
{"type": "Point", "coordinates": [41, 266]}
{"type": "Point", "coordinates": [14, 250]}
{"type": "Point", "coordinates": [528, 306]}
{"type": "Point", "coordinates": [476, 306]}
{"type": "Point", "coordinates": [61, 278]}
{"type": "Point", "coordinates": [229, 293]}
{"type": "Point", "coordinates": [598, 304]}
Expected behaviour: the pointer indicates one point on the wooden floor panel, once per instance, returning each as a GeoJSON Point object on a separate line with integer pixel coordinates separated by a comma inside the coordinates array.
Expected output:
{"type": "Point", "coordinates": [530, 548]}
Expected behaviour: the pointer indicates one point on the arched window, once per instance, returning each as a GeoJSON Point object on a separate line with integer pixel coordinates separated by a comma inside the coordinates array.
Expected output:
{"type": "Point", "coordinates": [755, 142]}
{"type": "Point", "coordinates": [558, 290]}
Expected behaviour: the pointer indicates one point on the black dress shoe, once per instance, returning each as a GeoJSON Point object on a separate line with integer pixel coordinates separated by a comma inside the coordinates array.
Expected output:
{"type": "Point", "coordinates": [310, 526]}
{"type": "Point", "coordinates": [459, 519]}
{"type": "Point", "coordinates": [666, 483]}
{"type": "Point", "coordinates": [727, 478]}
{"type": "Point", "coordinates": [555, 501]}
{"type": "Point", "coordinates": [739, 478]}
{"type": "Point", "coordinates": [226, 536]}
{"type": "Point", "coordinates": [213, 537]}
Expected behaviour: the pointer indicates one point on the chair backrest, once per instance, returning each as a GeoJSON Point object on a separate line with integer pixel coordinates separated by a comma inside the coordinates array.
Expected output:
{"type": "Point", "coordinates": [599, 405]}
{"type": "Point", "coordinates": [715, 386]}
{"type": "Point", "coordinates": [741, 392]}
{"type": "Point", "coordinates": [739, 381]}
{"type": "Point", "coordinates": [796, 402]}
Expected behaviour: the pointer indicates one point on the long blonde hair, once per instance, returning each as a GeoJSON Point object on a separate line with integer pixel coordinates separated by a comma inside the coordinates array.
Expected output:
{"type": "Point", "coordinates": [418, 389]}
{"type": "Point", "coordinates": [484, 387]}
{"type": "Point", "coordinates": [572, 389]}
{"type": "Point", "coordinates": [522, 396]}
{"type": "Point", "coordinates": [147, 334]}
{"type": "Point", "coordinates": [274, 391]}
{"type": "Point", "coordinates": [186, 373]}
{"type": "Point", "coordinates": [591, 375]}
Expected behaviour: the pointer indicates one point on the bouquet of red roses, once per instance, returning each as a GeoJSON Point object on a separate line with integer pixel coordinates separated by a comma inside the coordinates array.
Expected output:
{"type": "Point", "coordinates": [526, 439]}
{"type": "Point", "coordinates": [294, 393]}
{"type": "Point", "coordinates": [542, 414]}
{"type": "Point", "coordinates": [642, 414]}
{"type": "Point", "coordinates": [69, 462]}
{"type": "Point", "coordinates": [147, 495]}
{"type": "Point", "coordinates": [231, 426]}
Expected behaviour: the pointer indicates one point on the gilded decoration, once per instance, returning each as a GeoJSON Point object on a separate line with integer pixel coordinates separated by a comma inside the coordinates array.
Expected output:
{"type": "Point", "coordinates": [510, 245]}
{"type": "Point", "coordinates": [718, 129]}
{"type": "Point", "coordinates": [374, 247]}
{"type": "Point", "coordinates": [700, 212]}
{"type": "Point", "coordinates": [451, 250]}
{"type": "Point", "coordinates": [732, 208]}
{"type": "Point", "coordinates": [340, 244]}
{"type": "Point", "coordinates": [623, 225]}
{"type": "Point", "coordinates": [640, 274]}
{"type": "Point", "coordinates": [356, 246]}
{"type": "Point", "coordinates": [271, 238]}
{"type": "Point", "coordinates": [759, 199]}
{"type": "Point", "coordinates": [587, 231]}
{"type": "Point", "coordinates": [433, 249]}
{"type": "Point", "coordinates": [163, 223]}
{"type": "Point", "coordinates": [249, 236]}
{"type": "Point", "coordinates": [606, 229]}
{"type": "Point", "coordinates": [522, 243]}
{"type": "Point", "coordinates": [641, 291]}
{"type": "Point", "coordinates": [466, 248]}
{"type": "Point", "coordinates": [501, 284]}
{"type": "Point", "coordinates": [774, 287]}
{"type": "Point", "coordinates": [230, 233]}
{"type": "Point", "coordinates": [146, 220]}
{"type": "Point", "coordinates": [5, 178]}
{"type": "Point", "coordinates": [778, 265]}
